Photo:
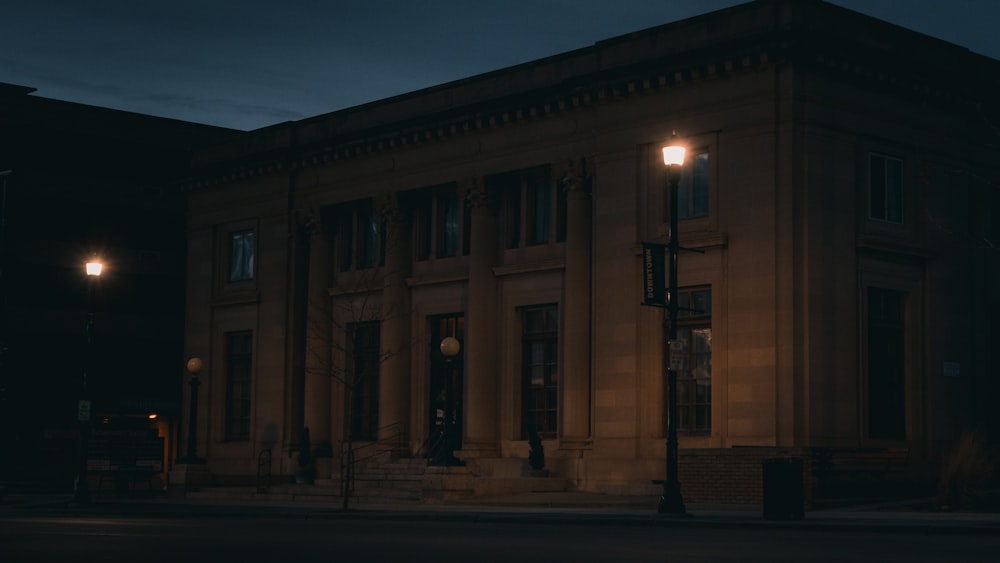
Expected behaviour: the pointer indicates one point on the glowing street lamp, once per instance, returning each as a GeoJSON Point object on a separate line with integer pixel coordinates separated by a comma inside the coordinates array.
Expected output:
{"type": "Point", "coordinates": [81, 490]}
{"type": "Point", "coordinates": [671, 501]}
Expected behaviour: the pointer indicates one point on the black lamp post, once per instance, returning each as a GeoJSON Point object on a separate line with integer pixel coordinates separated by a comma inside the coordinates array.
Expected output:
{"type": "Point", "coordinates": [81, 489]}
{"type": "Point", "coordinates": [193, 366]}
{"type": "Point", "coordinates": [671, 501]}
{"type": "Point", "coordinates": [450, 348]}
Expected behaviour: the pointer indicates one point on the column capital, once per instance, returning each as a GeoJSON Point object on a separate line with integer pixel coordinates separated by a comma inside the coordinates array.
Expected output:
{"type": "Point", "coordinates": [576, 176]}
{"type": "Point", "coordinates": [473, 191]}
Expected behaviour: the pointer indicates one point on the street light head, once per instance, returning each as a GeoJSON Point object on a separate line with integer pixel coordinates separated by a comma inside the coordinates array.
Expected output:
{"type": "Point", "coordinates": [673, 155]}
{"type": "Point", "coordinates": [194, 365]}
{"type": "Point", "coordinates": [450, 347]}
{"type": "Point", "coordinates": [94, 267]}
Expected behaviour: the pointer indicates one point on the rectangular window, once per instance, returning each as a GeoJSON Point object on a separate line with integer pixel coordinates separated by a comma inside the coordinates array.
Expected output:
{"type": "Point", "coordinates": [540, 346]}
{"type": "Point", "coordinates": [450, 213]}
{"type": "Point", "coordinates": [885, 188]}
{"type": "Point", "coordinates": [241, 251]}
{"type": "Point", "coordinates": [360, 233]}
{"type": "Point", "coordinates": [694, 382]}
{"type": "Point", "coordinates": [532, 207]}
{"type": "Point", "coordinates": [692, 191]}
{"type": "Point", "coordinates": [886, 365]}
{"type": "Point", "coordinates": [369, 236]}
{"type": "Point", "coordinates": [539, 209]}
{"type": "Point", "coordinates": [441, 223]}
{"type": "Point", "coordinates": [364, 388]}
{"type": "Point", "coordinates": [239, 363]}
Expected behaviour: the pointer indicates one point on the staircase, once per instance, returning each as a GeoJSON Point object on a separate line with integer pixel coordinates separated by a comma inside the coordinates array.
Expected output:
{"type": "Point", "coordinates": [385, 479]}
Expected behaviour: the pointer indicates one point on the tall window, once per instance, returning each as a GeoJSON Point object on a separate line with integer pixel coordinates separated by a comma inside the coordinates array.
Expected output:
{"type": "Point", "coordinates": [694, 382]}
{"type": "Point", "coordinates": [239, 359]}
{"type": "Point", "coordinates": [241, 252]}
{"type": "Point", "coordinates": [360, 236]}
{"type": "Point", "coordinates": [441, 223]}
{"type": "Point", "coordinates": [532, 207]}
{"type": "Point", "coordinates": [540, 346]}
{"type": "Point", "coordinates": [692, 191]}
{"type": "Point", "coordinates": [886, 365]}
{"type": "Point", "coordinates": [364, 358]}
{"type": "Point", "coordinates": [885, 188]}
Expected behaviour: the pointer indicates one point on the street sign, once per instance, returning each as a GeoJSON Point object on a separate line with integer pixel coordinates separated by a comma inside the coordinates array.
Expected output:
{"type": "Point", "coordinates": [678, 354]}
{"type": "Point", "coordinates": [654, 293]}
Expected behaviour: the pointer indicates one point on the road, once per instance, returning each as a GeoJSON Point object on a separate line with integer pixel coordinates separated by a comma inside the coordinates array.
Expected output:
{"type": "Point", "coordinates": [289, 539]}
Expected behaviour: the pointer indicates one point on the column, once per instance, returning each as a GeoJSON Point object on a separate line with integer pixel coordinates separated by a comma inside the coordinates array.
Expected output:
{"type": "Point", "coordinates": [394, 371]}
{"type": "Point", "coordinates": [481, 382]}
{"type": "Point", "coordinates": [574, 423]}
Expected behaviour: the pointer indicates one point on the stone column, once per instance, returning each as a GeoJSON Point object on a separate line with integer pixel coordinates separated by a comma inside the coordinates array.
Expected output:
{"type": "Point", "coordinates": [394, 371]}
{"type": "Point", "coordinates": [318, 368]}
{"type": "Point", "coordinates": [574, 423]}
{"type": "Point", "coordinates": [481, 381]}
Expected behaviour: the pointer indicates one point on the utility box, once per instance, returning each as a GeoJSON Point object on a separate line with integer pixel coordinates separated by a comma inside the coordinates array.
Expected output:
{"type": "Point", "coordinates": [782, 489]}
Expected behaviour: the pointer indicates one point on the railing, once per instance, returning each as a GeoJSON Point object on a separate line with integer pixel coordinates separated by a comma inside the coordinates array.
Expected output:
{"type": "Point", "coordinates": [390, 438]}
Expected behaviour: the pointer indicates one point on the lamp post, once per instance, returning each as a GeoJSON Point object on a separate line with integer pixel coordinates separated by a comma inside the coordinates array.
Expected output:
{"type": "Point", "coordinates": [81, 489]}
{"type": "Point", "coordinates": [450, 348]}
{"type": "Point", "coordinates": [671, 501]}
{"type": "Point", "coordinates": [193, 366]}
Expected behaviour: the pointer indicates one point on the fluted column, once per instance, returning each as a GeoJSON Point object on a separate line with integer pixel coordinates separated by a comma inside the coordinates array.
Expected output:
{"type": "Point", "coordinates": [574, 424]}
{"type": "Point", "coordinates": [394, 371]}
{"type": "Point", "coordinates": [318, 374]}
{"type": "Point", "coordinates": [481, 422]}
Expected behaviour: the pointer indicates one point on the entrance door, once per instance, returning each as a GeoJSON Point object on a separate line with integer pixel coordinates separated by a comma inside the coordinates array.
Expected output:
{"type": "Point", "coordinates": [446, 390]}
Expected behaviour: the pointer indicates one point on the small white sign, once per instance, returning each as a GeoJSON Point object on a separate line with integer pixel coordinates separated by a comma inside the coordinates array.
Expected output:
{"type": "Point", "coordinates": [678, 354]}
{"type": "Point", "coordinates": [83, 410]}
{"type": "Point", "coordinates": [952, 369]}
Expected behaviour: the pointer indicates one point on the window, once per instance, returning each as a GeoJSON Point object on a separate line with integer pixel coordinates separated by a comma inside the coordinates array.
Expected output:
{"type": "Point", "coordinates": [239, 356]}
{"type": "Point", "coordinates": [441, 223]}
{"type": "Point", "coordinates": [532, 207]}
{"type": "Point", "coordinates": [360, 232]}
{"type": "Point", "coordinates": [365, 362]}
{"type": "Point", "coordinates": [692, 191]}
{"type": "Point", "coordinates": [885, 188]}
{"type": "Point", "coordinates": [241, 251]}
{"type": "Point", "coordinates": [540, 346]}
{"type": "Point", "coordinates": [886, 364]}
{"type": "Point", "coordinates": [694, 382]}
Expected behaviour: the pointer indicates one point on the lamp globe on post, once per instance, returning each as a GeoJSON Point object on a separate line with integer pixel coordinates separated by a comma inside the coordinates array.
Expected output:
{"type": "Point", "coordinates": [671, 501]}
{"type": "Point", "coordinates": [194, 366]}
{"type": "Point", "coordinates": [446, 410]}
{"type": "Point", "coordinates": [81, 488]}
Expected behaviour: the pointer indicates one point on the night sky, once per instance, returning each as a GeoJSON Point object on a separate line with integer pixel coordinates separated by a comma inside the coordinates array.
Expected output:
{"type": "Point", "coordinates": [251, 63]}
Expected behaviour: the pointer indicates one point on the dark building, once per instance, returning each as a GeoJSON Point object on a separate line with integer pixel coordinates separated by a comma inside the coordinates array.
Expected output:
{"type": "Point", "coordinates": [81, 182]}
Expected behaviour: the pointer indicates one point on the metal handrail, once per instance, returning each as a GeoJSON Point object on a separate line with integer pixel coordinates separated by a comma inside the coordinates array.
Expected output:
{"type": "Point", "coordinates": [350, 458]}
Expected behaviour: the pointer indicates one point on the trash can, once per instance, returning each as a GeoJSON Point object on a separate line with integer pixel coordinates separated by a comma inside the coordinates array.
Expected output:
{"type": "Point", "coordinates": [782, 489]}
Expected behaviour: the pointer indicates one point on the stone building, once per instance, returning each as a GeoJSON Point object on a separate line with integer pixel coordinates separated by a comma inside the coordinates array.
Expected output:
{"type": "Point", "coordinates": [839, 196]}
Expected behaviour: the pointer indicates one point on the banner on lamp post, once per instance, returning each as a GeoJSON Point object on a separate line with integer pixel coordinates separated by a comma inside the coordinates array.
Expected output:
{"type": "Point", "coordinates": [654, 292]}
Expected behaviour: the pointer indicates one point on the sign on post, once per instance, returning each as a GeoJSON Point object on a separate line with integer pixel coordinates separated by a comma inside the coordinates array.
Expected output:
{"type": "Point", "coordinates": [654, 292]}
{"type": "Point", "coordinates": [83, 410]}
{"type": "Point", "coordinates": [678, 354]}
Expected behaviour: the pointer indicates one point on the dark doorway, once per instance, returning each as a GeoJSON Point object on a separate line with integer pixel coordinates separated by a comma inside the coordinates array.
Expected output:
{"type": "Point", "coordinates": [446, 390]}
{"type": "Point", "coordinates": [886, 365]}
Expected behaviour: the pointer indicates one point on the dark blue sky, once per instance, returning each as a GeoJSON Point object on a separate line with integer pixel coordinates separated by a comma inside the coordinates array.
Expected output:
{"type": "Point", "coordinates": [251, 63]}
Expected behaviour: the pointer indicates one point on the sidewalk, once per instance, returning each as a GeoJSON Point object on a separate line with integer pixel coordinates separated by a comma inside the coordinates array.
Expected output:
{"type": "Point", "coordinates": [552, 507]}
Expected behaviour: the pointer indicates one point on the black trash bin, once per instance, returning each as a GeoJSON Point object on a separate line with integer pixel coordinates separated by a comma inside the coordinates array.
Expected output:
{"type": "Point", "coordinates": [782, 489]}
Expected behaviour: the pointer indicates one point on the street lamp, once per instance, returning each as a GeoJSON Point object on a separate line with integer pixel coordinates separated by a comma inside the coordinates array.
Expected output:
{"type": "Point", "coordinates": [671, 501]}
{"type": "Point", "coordinates": [81, 489]}
{"type": "Point", "coordinates": [193, 366]}
{"type": "Point", "coordinates": [446, 409]}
